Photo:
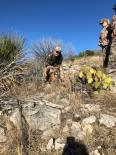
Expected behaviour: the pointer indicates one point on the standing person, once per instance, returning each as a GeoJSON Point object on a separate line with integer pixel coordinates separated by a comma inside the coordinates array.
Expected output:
{"type": "Point", "coordinates": [105, 40]}
{"type": "Point", "coordinates": [54, 60]}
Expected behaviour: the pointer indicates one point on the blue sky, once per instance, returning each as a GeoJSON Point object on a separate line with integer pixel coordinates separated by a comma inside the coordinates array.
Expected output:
{"type": "Point", "coordinates": [72, 21]}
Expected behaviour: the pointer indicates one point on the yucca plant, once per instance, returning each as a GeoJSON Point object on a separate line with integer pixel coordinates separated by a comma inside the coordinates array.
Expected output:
{"type": "Point", "coordinates": [11, 66]}
{"type": "Point", "coordinates": [11, 46]}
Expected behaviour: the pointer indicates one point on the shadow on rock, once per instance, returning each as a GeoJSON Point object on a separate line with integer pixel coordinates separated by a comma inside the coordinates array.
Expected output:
{"type": "Point", "coordinates": [74, 148]}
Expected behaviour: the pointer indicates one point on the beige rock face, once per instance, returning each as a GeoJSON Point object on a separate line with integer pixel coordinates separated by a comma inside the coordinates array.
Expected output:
{"type": "Point", "coordinates": [40, 117]}
{"type": "Point", "coordinates": [89, 120]}
{"type": "Point", "coordinates": [107, 120]}
{"type": "Point", "coordinates": [2, 135]}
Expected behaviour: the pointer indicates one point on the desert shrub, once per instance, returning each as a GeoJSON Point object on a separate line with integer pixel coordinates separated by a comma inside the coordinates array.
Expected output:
{"type": "Point", "coordinates": [94, 78]}
{"type": "Point", "coordinates": [11, 63]}
{"type": "Point", "coordinates": [11, 45]}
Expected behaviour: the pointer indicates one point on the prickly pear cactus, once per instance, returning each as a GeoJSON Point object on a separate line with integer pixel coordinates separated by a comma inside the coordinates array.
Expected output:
{"type": "Point", "coordinates": [94, 78]}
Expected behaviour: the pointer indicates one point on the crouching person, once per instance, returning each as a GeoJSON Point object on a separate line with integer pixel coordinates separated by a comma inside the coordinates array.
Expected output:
{"type": "Point", "coordinates": [54, 60]}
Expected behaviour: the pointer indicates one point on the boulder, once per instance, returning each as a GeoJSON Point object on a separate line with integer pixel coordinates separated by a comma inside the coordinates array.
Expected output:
{"type": "Point", "coordinates": [107, 120]}
{"type": "Point", "coordinates": [89, 120]}
{"type": "Point", "coordinates": [40, 116]}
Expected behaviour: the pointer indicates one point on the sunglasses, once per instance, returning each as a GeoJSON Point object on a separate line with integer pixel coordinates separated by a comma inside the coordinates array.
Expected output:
{"type": "Point", "coordinates": [58, 52]}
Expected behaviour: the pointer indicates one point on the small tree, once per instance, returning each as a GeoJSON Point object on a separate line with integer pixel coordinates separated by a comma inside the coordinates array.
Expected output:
{"type": "Point", "coordinates": [43, 48]}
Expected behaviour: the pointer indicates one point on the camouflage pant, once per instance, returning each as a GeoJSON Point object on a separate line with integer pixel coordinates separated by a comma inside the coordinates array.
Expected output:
{"type": "Point", "coordinates": [49, 70]}
{"type": "Point", "coordinates": [106, 54]}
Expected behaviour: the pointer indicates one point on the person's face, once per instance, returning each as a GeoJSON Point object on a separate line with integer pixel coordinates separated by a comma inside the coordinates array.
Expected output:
{"type": "Point", "coordinates": [105, 23]}
{"type": "Point", "coordinates": [56, 53]}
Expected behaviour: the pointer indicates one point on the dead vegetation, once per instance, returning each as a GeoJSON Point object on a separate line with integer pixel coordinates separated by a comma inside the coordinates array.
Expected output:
{"type": "Point", "coordinates": [25, 79]}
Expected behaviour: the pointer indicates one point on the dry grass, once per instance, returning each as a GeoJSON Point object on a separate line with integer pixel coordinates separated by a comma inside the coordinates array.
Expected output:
{"type": "Point", "coordinates": [107, 99]}
{"type": "Point", "coordinates": [87, 60]}
{"type": "Point", "coordinates": [55, 92]}
{"type": "Point", "coordinates": [105, 138]}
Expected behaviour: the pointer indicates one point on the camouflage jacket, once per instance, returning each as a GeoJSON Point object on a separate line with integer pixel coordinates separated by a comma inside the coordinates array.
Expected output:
{"type": "Point", "coordinates": [105, 36]}
{"type": "Point", "coordinates": [53, 60]}
{"type": "Point", "coordinates": [113, 26]}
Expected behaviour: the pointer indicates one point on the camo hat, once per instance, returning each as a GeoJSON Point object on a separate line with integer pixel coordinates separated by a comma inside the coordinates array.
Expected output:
{"type": "Point", "coordinates": [104, 20]}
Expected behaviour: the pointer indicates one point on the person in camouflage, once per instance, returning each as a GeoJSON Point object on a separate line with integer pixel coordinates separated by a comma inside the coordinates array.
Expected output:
{"type": "Point", "coordinates": [105, 40]}
{"type": "Point", "coordinates": [54, 60]}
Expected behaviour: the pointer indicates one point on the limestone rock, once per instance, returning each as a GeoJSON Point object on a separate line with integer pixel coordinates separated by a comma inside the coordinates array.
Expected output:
{"type": "Point", "coordinates": [50, 144]}
{"type": "Point", "coordinates": [89, 120]}
{"type": "Point", "coordinates": [87, 129]}
{"type": "Point", "coordinates": [52, 132]}
{"type": "Point", "coordinates": [65, 130]}
{"type": "Point", "coordinates": [90, 107]}
{"type": "Point", "coordinates": [45, 118]}
{"type": "Point", "coordinates": [96, 152]}
{"type": "Point", "coordinates": [66, 109]}
{"type": "Point", "coordinates": [2, 135]}
{"type": "Point", "coordinates": [76, 127]}
{"type": "Point", "coordinates": [107, 120]}
{"type": "Point", "coordinates": [81, 136]}
{"type": "Point", "coordinates": [40, 116]}
{"type": "Point", "coordinates": [55, 144]}
{"type": "Point", "coordinates": [0, 113]}
{"type": "Point", "coordinates": [76, 131]}
{"type": "Point", "coordinates": [16, 118]}
{"type": "Point", "coordinates": [58, 144]}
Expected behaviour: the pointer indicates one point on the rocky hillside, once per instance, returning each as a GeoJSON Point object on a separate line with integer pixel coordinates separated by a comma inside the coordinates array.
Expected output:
{"type": "Point", "coordinates": [42, 122]}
